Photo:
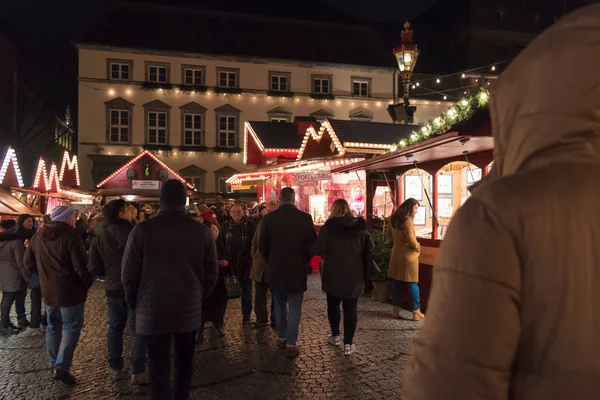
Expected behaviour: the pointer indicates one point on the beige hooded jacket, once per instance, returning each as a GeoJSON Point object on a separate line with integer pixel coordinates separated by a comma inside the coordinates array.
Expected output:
{"type": "Point", "coordinates": [515, 306]}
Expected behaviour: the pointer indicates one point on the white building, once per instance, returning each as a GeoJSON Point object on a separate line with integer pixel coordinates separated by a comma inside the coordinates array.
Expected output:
{"type": "Point", "coordinates": [188, 100]}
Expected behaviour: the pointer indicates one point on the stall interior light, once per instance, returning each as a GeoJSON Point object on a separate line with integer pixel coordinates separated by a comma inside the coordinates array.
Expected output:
{"type": "Point", "coordinates": [291, 168]}
{"type": "Point", "coordinates": [50, 179]}
{"type": "Point", "coordinates": [71, 163]}
{"type": "Point", "coordinates": [11, 156]}
{"type": "Point", "coordinates": [133, 160]}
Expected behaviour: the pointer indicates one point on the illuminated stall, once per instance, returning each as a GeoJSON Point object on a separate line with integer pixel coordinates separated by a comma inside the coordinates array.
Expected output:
{"type": "Point", "coordinates": [10, 177]}
{"type": "Point", "coordinates": [437, 168]}
{"type": "Point", "coordinates": [140, 181]}
{"type": "Point", "coordinates": [301, 155]}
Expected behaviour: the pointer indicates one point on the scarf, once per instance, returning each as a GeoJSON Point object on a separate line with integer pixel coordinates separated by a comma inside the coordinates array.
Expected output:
{"type": "Point", "coordinates": [229, 234]}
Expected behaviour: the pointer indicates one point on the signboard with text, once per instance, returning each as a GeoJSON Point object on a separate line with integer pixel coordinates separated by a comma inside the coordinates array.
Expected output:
{"type": "Point", "coordinates": [145, 185]}
{"type": "Point", "coordinates": [313, 176]}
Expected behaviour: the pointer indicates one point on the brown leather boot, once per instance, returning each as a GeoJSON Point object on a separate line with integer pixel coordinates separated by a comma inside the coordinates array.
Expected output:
{"type": "Point", "coordinates": [418, 315]}
{"type": "Point", "coordinates": [396, 312]}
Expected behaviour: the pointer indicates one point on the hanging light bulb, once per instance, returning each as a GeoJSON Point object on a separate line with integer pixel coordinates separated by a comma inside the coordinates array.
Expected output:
{"type": "Point", "coordinates": [417, 83]}
{"type": "Point", "coordinates": [463, 76]}
{"type": "Point", "coordinates": [437, 80]}
{"type": "Point", "coordinates": [413, 86]}
{"type": "Point", "coordinates": [445, 97]}
{"type": "Point", "coordinates": [493, 67]}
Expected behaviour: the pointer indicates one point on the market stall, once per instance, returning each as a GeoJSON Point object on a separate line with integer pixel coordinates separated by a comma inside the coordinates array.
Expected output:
{"type": "Point", "coordinates": [139, 181]}
{"type": "Point", "coordinates": [10, 176]}
{"type": "Point", "coordinates": [437, 171]}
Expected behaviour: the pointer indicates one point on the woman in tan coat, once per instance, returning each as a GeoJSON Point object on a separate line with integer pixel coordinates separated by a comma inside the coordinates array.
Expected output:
{"type": "Point", "coordinates": [404, 263]}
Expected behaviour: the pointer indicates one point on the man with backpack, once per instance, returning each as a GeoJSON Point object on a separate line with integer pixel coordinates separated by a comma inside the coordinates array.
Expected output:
{"type": "Point", "coordinates": [105, 259]}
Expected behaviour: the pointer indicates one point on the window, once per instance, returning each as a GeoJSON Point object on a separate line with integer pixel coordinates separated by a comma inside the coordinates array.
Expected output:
{"type": "Point", "coordinates": [197, 181]}
{"type": "Point", "coordinates": [119, 126]}
{"type": "Point", "coordinates": [321, 85]}
{"type": "Point", "coordinates": [227, 131]}
{"type": "Point", "coordinates": [192, 130]}
{"type": "Point", "coordinates": [157, 73]}
{"type": "Point", "coordinates": [228, 79]}
{"type": "Point", "coordinates": [223, 186]}
{"type": "Point", "coordinates": [279, 119]}
{"type": "Point", "coordinates": [360, 88]}
{"type": "Point", "coordinates": [193, 76]}
{"type": "Point", "coordinates": [157, 127]}
{"type": "Point", "coordinates": [120, 71]}
{"type": "Point", "coordinates": [279, 83]}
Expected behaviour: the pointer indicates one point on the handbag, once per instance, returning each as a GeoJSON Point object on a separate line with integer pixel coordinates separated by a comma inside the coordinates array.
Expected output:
{"type": "Point", "coordinates": [372, 270]}
{"type": "Point", "coordinates": [232, 284]}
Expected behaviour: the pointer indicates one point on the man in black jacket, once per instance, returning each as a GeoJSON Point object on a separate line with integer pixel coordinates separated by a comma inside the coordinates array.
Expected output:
{"type": "Point", "coordinates": [106, 255]}
{"type": "Point", "coordinates": [286, 238]}
{"type": "Point", "coordinates": [169, 267]}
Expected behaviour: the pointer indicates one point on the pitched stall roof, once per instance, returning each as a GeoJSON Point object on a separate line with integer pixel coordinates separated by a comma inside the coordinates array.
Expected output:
{"type": "Point", "coordinates": [277, 135]}
{"type": "Point", "coordinates": [186, 29]}
{"type": "Point", "coordinates": [10, 206]}
{"type": "Point", "coordinates": [370, 132]}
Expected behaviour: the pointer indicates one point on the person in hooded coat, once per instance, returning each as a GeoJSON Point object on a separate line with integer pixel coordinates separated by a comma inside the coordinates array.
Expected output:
{"type": "Point", "coordinates": [513, 312]}
{"type": "Point", "coordinates": [13, 276]}
{"type": "Point", "coordinates": [343, 242]}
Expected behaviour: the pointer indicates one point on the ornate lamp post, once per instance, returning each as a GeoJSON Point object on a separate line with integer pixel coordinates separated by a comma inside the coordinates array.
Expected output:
{"type": "Point", "coordinates": [406, 54]}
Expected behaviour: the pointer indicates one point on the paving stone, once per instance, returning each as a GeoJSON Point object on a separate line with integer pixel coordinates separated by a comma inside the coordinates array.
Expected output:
{"type": "Point", "coordinates": [245, 364]}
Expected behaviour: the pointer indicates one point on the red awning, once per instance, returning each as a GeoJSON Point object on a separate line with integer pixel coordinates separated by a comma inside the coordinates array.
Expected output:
{"type": "Point", "coordinates": [10, 206]}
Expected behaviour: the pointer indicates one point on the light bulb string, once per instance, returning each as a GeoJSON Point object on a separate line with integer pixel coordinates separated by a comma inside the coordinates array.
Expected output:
{"type": "Point", "coordinates": [435, 78]}
{"type": "Point", "coordinates": [443, 92]}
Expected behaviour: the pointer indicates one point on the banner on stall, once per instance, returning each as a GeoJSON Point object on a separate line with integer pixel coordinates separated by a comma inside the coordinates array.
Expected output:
{"type": "Point", "coordinates": [313, 176]}
{"type": "Point", "coordinates": [147, 185]}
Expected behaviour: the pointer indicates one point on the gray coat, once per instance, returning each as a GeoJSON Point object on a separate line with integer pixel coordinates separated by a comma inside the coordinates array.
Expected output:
{"type": "Point", "coordinates": [342, 243]}
{"type": "Point", "coordinates": [169, 267]}
{"type": "Point", "coordinates": [13, 276]}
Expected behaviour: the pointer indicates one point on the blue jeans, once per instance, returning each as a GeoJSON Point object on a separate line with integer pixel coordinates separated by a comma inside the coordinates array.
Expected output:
{"type": "Point", "coordinates": [288, 308]}
{"type": "Point", "coordinates": [20, 305]}
{"type": "Point", "coordinates": [246, 285]}
{"type": "Point", "coordinates": [117, 319]}
{"type": "Point", "coordinates": [413, 287]}
{"type": "Point", "coordinates": [62, 334]}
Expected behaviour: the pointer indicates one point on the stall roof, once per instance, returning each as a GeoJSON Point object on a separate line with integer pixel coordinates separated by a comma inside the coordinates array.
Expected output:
{"type": "Point", "coordinates": [11, 206]}
{"type": "Point", "coordinates": [370, 132]}
{"type": "Point", "coordinates": [445, 146]}
{"type": "Point", "coordinates": [277, 135]}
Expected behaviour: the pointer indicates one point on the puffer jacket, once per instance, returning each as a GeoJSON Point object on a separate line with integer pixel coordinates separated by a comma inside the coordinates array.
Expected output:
{"type": "Point", "coordinates": [106, 255]}
{"type": "Point", "coordinates": [513, 312]}
{"type": "Point", "coordinates": [342, 242]}
{"type": "Point", "coordinates": [57, 254]}
{"type": "Point", "coordinates": [169, 267]}
{"type": "Point", "coordinates": [13, 276]}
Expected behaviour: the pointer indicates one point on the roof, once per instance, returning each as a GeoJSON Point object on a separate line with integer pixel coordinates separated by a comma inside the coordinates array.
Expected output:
{"type": "Point", "coordinates": [277, 135]}
{"type": "Point", "coordinates": [370, 132]}
{"type": "Point", "coordinates": [193, 30]}
{"type": "Point", "coordinates": [11, 206]}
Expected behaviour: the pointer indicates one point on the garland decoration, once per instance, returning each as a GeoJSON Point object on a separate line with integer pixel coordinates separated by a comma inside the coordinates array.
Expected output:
{"type": "Point", "coordinates": [463, 110]}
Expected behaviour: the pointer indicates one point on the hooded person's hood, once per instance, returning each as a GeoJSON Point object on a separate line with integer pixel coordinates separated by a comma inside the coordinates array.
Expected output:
{"type": "Point", "coordinates": [545, 108]}
{"type": "Point", "coordinates": [346, 226]}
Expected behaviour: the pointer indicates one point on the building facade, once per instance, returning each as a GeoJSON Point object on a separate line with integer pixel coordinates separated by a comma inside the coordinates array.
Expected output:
{"type": "Point", "coordinates": [190, 107]}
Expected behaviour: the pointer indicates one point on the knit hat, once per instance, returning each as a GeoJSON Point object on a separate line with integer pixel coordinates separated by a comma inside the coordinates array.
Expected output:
{"type": "Point", "coordinates": [62, 213]}
{"type": "Point", "coordinates": [173, 193]}
{"type": "Point", "coordinates": [8, 224]}
{"type": "Point", "coordinates": [208, 217]}
{"type": "Point", "coordinates": [112, 208]}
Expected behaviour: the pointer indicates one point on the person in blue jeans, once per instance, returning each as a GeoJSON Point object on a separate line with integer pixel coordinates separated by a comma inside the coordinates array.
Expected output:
{"type": "Point", "coordinates": [286, 238]}
{"type": "Point", "coordinates": [57, 254]}
{"type": "Point", "coordinates": [106, 254]}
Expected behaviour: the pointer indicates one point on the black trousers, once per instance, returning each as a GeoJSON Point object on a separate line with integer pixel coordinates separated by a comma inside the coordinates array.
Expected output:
{"type": "Point", "coordinates": [159, 363]}
{"type": "Point", "coordinates": [260, 302]}
{"type": "Point", "coordinates": [350, 316]}
{"type": "Point", "coordinates": [36, 307]}
{"type": "Point", "coordinates": [8, 298]}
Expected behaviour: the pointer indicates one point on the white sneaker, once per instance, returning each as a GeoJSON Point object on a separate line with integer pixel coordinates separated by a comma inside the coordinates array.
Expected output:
{"type": "Point", "coordinates": [349, 349]}
{"type": "Point", "coordinates": [30, 332]}
{"type": "Point", "coordinates": [333, 340]}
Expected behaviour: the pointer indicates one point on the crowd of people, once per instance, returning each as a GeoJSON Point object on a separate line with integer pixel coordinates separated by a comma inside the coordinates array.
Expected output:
{"type": "Point", "coordinates": [166, 297]}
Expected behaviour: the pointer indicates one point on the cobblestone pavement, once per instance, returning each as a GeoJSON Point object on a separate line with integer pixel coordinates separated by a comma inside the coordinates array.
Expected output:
{"type": "Point", "coordinates": [246, 364]}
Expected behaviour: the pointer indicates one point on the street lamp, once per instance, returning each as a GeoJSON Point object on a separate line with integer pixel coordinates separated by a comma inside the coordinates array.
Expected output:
{"type": "Point", "coordinates": [406, 54]}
